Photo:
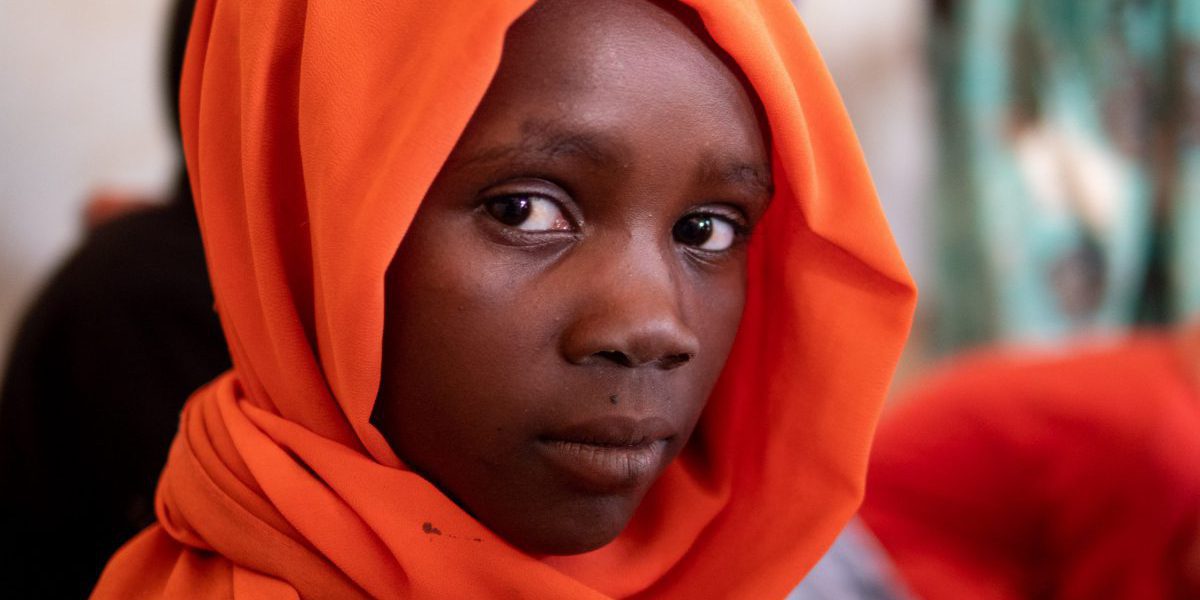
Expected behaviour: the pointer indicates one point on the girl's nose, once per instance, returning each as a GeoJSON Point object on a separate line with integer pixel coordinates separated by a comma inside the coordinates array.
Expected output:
{"type": "Point", "coordinates": [631, 318]}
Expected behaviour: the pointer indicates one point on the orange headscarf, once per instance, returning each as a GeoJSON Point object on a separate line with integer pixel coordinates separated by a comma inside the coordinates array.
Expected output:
{"type": "Point", "coordinates": [313, 129]}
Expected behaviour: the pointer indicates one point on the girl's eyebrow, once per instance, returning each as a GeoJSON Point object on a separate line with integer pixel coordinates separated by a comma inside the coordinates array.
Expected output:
{"type": "Point", "coordinates": [548, 140]}
{"type": "Point", "coordinates": [755, 177]}
{"type": "Point", "coordinates": [543, 140]}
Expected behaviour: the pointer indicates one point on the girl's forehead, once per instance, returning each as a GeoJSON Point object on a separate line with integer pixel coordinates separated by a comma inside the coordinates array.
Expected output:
{"type": "Point", "coordinates": [594, 43]}
{"type": "Point", "coordinates": [572, 71]}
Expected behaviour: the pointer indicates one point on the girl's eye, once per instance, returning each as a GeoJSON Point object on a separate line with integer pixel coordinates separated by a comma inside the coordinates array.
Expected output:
{"type": "Point", "coordinates": [529, 213]}
{"type": "Point", "coordinates": [705, 231]}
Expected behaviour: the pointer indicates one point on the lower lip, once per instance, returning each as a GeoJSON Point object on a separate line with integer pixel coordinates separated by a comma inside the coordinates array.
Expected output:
{"type": "Point", "coordinates": [605, 468]}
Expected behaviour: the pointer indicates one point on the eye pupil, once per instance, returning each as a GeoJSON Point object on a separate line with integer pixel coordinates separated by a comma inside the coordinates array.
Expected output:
{"type": "Point", "coordinates": [511, 211]}
{"type": "Point", "coordinates": [694, 230]}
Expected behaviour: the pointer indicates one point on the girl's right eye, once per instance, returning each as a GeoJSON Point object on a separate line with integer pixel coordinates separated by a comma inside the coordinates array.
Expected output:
{"type": "Point", "coordinates": [529, 212]}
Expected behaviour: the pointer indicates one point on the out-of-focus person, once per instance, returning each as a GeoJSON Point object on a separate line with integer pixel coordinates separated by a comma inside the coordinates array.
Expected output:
{"type": "Point", "coordinates": [1068, 476]}
{"type": "Point", "coordinates": [103, 361]}
{"type": "Point", "coordinates": [1069, 136]}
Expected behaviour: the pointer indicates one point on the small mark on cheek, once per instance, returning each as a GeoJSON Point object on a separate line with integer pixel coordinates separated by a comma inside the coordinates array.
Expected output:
{"type": "Point", "coordinates": [613, 399]}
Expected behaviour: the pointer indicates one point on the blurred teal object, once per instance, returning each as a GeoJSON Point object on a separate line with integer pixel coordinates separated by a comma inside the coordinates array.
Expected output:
{"type": "Point", "coordinates": [1069, 142]}
{"type": "Point", "coordinates": [1185, 266]}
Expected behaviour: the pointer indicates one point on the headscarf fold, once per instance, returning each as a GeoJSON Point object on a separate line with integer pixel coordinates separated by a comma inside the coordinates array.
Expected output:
{"type": "Point", "coordinates": [312, 130]}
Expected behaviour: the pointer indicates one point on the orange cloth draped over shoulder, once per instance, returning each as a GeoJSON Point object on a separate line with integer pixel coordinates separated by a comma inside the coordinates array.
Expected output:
{"type": "Point", "coordinates": [312, 130]}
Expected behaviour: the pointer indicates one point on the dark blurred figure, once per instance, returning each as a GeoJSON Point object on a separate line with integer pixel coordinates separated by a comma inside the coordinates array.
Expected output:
{"type": "Point", "coordinates": [101, 366]}
{"type": "Point", "coordinates": [1074, 476]}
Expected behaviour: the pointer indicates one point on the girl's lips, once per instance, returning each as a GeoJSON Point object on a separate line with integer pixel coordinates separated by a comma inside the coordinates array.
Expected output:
{"type": "Point", "coordinates": [609, 454]}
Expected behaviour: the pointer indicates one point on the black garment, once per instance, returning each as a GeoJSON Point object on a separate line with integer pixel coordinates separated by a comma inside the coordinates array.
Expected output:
{"type": "Point", "coordinates": [102, 364]}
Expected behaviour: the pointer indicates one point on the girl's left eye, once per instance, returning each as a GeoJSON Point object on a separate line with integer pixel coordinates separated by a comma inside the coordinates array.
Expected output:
{"type": "Point", "coordinates": [707, 232]}
{"type": "Point", "coordinates": [529, 212]}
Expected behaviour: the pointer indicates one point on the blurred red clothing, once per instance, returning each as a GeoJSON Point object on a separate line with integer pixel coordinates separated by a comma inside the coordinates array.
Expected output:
{"type": "Point", "coordinates": [1070, 476]}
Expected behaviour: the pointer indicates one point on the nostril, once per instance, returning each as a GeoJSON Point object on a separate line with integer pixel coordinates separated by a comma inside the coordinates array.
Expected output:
{"type": "Point", "coordinates": [672, 361]}
{"type": "Point", "coordinates": [616, 356]}
{"type": "Point", "coordinates": [666, 363]}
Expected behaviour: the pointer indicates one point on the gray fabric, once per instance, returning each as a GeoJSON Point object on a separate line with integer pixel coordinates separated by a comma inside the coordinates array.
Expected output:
{"type": "Point", "coordinates": [855, 568]}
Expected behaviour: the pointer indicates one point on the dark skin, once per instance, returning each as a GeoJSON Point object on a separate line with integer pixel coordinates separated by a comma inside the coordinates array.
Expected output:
{"type": "Point", "coordinates": [568, 293]}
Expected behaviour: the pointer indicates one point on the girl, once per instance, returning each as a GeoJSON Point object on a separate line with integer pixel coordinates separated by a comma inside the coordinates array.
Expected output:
{"type": "Point", "coordinates": [563, 300]}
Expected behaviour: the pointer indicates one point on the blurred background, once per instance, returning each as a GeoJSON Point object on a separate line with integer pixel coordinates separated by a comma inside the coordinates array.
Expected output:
{"type": "Point", "coordinates": [1062, 181]}
{"type": "Point", "coordinates": [1039, 161]}
{"type": "Point", "coordinates": [1033, 157]}
{"type": "Point", "coordinates": [81, 115]}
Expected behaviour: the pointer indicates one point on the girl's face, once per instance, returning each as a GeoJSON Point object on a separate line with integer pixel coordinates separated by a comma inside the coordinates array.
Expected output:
{"type": "Point", "coordinates": [567, 295]}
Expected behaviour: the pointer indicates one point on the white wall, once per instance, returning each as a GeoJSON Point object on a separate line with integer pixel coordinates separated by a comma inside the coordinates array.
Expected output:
{"type": "Point", "coordinates": [80, 109]}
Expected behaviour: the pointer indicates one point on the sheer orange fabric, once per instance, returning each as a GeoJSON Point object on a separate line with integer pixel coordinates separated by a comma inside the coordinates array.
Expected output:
{"type": "Point", "coordinates": [312, 130]}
